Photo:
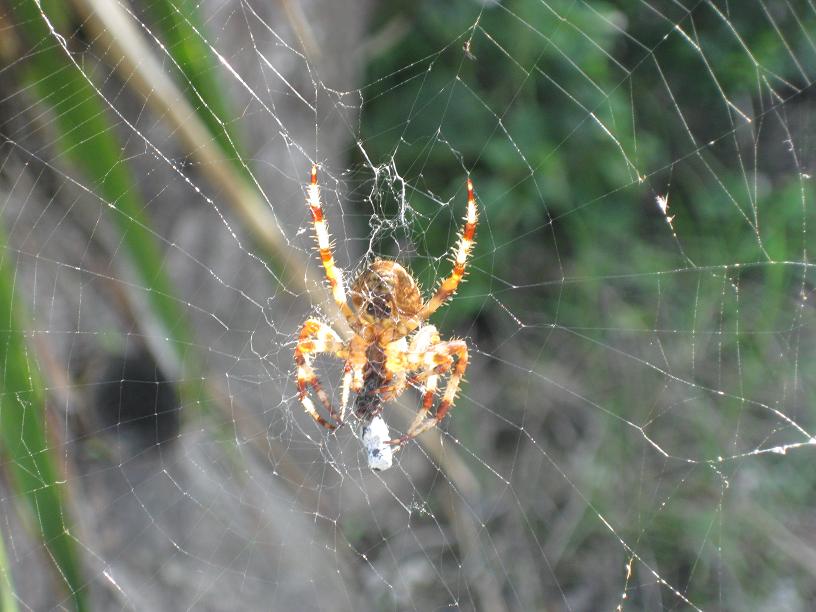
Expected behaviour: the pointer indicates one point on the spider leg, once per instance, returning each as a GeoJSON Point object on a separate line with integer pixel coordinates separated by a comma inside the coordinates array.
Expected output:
{"type": "Point", "coordinates": [353, 371]}
{"type": "Point", "coordinates": [394, 388]}
{"type": "Point", "coordinates": [316, 337]}
{"type": "Point", "coordinates": [421, 358]}
{"type": "Point", "coordinates": [441, 358]}
{"type": "Point", "coordinates": [427, 401]}
{"type": "Point", "coordinates": [333, 274]}
{"type": "Point", "coordinates": [358, 360]}
{"type": "Point", "coordinates": [448, 286]}
{"type": "Point", "coordinates": [344, 394]}
{"type": "Point", "coordinates": [401, 360]}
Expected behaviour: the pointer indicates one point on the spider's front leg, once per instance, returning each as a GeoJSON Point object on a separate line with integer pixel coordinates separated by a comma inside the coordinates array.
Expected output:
{"type": "Point", "coordinates": [466, 241]}
{"type": "Point", "coordinates": [316, 337]}
{"type": "Point", "coordinates": [441, 358]}
{"type": "Point", "coordinates": [333, 274]}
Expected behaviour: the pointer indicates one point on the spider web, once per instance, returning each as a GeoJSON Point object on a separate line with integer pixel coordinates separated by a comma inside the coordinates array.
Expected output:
{"type": "Point", "coordinates": [635, 427]}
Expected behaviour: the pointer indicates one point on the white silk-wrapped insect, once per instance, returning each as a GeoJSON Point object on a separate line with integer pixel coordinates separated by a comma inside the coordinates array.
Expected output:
{"type": "Point", "coordinates": [375, 437]}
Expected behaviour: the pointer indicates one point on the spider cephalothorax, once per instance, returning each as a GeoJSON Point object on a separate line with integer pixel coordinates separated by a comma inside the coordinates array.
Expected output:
{"type": "Point", "coordinates": [386, 299]}
{"type": "Point", "coordinates": [390, 348]}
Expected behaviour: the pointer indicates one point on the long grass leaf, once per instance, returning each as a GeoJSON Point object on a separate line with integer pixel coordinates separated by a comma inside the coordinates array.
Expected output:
{"type": "Point", "coordinates": [24, 441]}
{"type": "Point", "coordinates": [87, 138]}
{"type": "Point", "coordinates": [7, 601]}
{"type": "Point", "coordinates": [182, 31]}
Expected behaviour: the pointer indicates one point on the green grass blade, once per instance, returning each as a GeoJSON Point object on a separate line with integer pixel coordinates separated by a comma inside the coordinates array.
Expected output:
{"type": "Point", "coordinates": [7, 601]}
{"type": "Point", "coordinates": [25, 445]}
{"type": "Point", "coordinates": [181, 30]}
{"type": "Point", "coordinates": [87, 138]}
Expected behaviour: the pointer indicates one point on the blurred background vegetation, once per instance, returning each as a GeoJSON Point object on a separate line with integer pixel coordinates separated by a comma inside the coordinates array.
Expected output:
{"type": "Point", "coordinates": [628, 364]}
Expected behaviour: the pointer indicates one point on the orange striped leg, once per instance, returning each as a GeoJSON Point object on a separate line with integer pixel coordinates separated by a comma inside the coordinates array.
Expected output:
{"type": "Point", "coordinates": [440, 360]}
{"type": "Point", "coordinates": [393, 388]}
{"type": "Point", "coordinates": [449, 285]}
{"type": "Point", "coordinates": [352, 375]}
{"type": "Point", "coordinates": [316, 337]}
{"type": "Point", "coordinates": [403, 358]}
{"type": "Point", "coordinates": [358, 360]}
{"type": "Point", "coordinates": [333, 274]}
{"type": "Point", "coordinates": [421, 359]}
{"type": "Point", "coordinates": [431, 383]}
{"type": "Point", "coordinates": [434, 365]}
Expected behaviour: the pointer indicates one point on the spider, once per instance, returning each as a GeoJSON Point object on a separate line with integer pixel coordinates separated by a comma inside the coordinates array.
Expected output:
{"type": "Point", "coordinates": [390, 347]}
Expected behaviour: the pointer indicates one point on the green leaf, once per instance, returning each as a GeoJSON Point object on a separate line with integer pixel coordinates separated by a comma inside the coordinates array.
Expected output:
{"type": "Point", "coordinates": [87, 138]}
{"type": "Point", "coordinates": [7, 601]}
{"type": "Point", "coordinates": [181, 30]}
{"type": "Point", "coordinates": [24, 442]}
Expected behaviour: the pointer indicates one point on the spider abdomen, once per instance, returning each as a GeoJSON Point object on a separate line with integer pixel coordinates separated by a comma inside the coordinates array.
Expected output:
{"type": "Point", "coordinates": [368, 402]}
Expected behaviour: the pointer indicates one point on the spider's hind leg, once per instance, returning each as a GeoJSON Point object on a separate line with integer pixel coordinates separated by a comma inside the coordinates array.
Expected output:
{"type": "Point", "coordinates": [439, 361]}
{"type": "Point", "coordinates": [316, 337]}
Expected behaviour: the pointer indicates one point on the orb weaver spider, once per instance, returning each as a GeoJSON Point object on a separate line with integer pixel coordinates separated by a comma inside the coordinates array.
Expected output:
{"type": "Point", "coordinates": [390, 347]}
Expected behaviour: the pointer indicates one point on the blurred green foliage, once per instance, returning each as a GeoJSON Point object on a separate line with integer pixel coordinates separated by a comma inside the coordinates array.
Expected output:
{"type": "Point", "coordinates": [88, 140]}
{"type": "Point", "coordinates": [573, 118]}
{"type": "Point", "coordinates": [184, 36]}
{"type": "Point", "coordinates": [35, 477]}
{"type": "Point", "coordinates": [543, 87]}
